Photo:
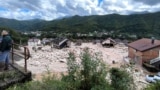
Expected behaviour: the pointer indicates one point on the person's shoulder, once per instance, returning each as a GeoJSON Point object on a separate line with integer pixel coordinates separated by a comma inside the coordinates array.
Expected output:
{"type": "Point", "coordinates": [8, 37]}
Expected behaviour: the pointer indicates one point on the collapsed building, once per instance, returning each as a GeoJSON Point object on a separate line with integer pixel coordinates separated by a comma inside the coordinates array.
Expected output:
{"type": "Point", "coordinates": [109, 43]}
{"type": "Point", "coordinates": [61, 43]}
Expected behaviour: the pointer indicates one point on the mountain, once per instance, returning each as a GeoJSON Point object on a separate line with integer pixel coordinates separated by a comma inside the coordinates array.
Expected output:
{"type": "Point", "coordinates": [25, 25]}
{"type": "Point", "coordinates": [135, 24]}
{"type": "Point", "coordinates": [146, 24]}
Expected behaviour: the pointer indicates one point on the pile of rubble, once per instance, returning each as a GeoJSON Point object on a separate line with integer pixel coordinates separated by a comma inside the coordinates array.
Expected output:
{"type": "Point", "coordinates": [138, 73]}
{"type": "Point", "coordinates": [54, 60]}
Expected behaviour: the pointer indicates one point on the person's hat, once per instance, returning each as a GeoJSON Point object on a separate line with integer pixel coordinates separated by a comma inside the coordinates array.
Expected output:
{"type": "Point", "coordinates": [4, 32]}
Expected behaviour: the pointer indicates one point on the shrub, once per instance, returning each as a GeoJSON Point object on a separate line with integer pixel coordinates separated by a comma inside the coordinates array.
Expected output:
{"type": "Point", "coordinates": [120, 79]}
{"type": "Point", "coordinates": [47, 83]}
{"type": "Point", "coordinates": [89, 74]}
{"type": "Point", "coordinates": [153, 86]}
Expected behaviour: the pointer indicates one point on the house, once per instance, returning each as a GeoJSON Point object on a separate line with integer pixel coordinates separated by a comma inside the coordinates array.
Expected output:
{"type": "Point", "coordinates": [145, 51]}
{"type": "Point", "coordinates": [109, 42]}
{"type": "Point", "coordinates": [34, 42]}
{"type": "Point", "coordinates": [61, 42]}
{"type": "Point", "coordinates": [47, 41]}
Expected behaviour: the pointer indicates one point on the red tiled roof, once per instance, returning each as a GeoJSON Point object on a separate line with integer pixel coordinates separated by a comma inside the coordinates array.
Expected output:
{"type": "Point", "coordinates": [144, 44]}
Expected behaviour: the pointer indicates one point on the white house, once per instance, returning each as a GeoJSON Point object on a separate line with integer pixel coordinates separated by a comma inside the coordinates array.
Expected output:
{"type": "Point", "coordinates": [34, 42]}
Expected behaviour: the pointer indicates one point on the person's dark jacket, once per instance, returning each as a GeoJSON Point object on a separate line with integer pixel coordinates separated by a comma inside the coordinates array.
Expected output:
{"type": "Point", "coordinates": [6, 43]}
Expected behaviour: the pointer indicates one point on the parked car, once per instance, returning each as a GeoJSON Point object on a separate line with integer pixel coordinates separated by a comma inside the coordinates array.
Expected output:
{"type": "Point", "coordinates": [158, 74]}
{"type": "Point", "coordinates": [156, 77]}
{"type": "Point", "coordinates": [152, 78]}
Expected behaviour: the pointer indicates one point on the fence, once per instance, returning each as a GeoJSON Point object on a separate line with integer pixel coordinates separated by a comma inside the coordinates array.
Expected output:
{"type": "Point", "coordinates": [25, 54]}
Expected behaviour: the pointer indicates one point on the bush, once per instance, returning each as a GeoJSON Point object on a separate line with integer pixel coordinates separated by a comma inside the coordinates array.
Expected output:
{"type": "Point", "coordinates": [153, 86]}
{"type": "Point", "coordinates": [90, 74]}
{"type": "Point", "coordinates": [47, 83]}
{"type": "Point", "coordinates": [120, 79]}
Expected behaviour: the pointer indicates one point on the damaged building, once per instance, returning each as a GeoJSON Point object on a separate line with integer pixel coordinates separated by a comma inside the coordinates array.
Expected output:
{"type": "Point", "coordinates": [61, 43]}
{"type": "Point", "coordinates": [109, 42]}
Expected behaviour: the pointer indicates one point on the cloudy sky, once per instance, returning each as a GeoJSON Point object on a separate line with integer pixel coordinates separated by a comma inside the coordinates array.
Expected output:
{"type": "Point", "coordinates": [52, 9]}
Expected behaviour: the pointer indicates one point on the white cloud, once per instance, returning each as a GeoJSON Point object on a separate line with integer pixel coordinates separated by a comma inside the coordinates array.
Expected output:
{"type": "Point", "coordinates": [52, 9]}
{"type": "Point", "coordinates": [149, 2]}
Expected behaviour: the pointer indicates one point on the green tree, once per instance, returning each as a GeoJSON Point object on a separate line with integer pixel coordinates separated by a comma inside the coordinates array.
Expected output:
{"type": "Point", "coordinates": [90, 74]}
{"type": "Point", "coordinates": [120, 79]}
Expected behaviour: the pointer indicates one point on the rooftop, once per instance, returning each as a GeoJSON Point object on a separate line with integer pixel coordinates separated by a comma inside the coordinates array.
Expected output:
{"type": "Point", "coordinates": [144, 44]}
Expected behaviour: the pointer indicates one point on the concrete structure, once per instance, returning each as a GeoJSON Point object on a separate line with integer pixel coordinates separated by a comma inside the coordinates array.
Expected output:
{"type": "Point", "coordinates": [34, 42]}
{"type": "Point", "coordinates": [47, 41]}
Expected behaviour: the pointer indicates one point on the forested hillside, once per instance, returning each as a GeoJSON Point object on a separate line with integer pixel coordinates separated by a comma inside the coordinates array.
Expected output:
{"type": "Point", "coordinates": [26, 25]}
{"type": "Point", "coordinates": [142, 25]}
{"type": "Point", "coordinates": [146, 25]}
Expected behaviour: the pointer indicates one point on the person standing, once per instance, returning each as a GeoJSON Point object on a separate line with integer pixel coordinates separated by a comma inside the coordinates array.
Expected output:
{"type": "Point", "coordinates": [5, 48]}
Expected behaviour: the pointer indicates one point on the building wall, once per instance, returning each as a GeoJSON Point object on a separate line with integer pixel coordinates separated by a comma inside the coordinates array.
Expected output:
{"type": "Point", "coordinates": [146, 56]}
{"type": "Point", "coordinates": [150, 54]}
{"type": "Point", "coordinates": [34, 43]}
{"type": "Point", "coordinates": [135, 55]}
{"type": "Point", "coordinates": [132, 53]}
